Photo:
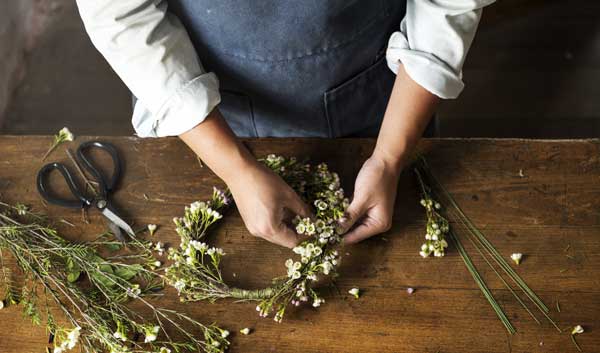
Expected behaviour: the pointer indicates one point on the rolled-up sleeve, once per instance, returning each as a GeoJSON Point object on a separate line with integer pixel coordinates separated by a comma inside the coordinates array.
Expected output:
{"type": "Point", "coordinates": [433, 41]}
{"type": "Point", "coordinates": [152, 53]}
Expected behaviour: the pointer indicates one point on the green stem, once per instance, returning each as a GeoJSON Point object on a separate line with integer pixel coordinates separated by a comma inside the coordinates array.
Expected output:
{"type": "Point", "coordinates": [256, 294]}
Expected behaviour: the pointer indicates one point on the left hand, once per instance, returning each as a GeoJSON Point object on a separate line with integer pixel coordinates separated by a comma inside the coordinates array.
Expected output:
{"type": "Point", "coordinates": [372, 206]}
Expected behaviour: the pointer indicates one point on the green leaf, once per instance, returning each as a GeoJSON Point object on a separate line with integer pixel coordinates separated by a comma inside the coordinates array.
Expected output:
{"type": "Point", "coordinates": [113, 246]}
{"type": "Point", "coordinates": [103, 275]}
{"type": "Point", "coordinates": [73, 276]}
{"type": "Point", "coordinates": [73, 271]}
{"type": "Point", "coordinates": [128, 272]}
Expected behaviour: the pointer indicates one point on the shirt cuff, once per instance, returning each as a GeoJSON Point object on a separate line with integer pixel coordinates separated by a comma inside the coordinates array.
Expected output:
{"type": "Point", "coordinates": [181, 112]}
{"type": "Point", "coordinates": [424, 68]}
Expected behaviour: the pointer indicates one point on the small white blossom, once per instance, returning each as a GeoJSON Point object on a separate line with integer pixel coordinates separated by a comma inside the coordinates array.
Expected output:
{"type": "Point", "coordinates": [410, 290]}
{"type": "Point", "coordinates": [120, 336]}
{"type": "Point", "coordinates": [159, 248]}
{"type": "Point", "coordinates": [355, 292]}
{"type": "Point", "coordinates": [73, 337]}
{"type": "Point", "coordinates": [516, 257]}
{"type": "Point", "coordinates": [65, 134]}
{"type": "Point", "coordinates": [577, 330]}
{"type": "Point", "coordinates": [134, 291]}
{"type": "Point", "coordinates": [317, 302]}
{"type": "Point", "coordinates": [151, 228]}
{"type": "Point", "coordinates": [151, 334]}
{"type": "Point", "coordinates": [164, 350]}
{"type": "Point", "coordinates": [245, 331]}
{"type": "Point", "coordinates": [179, 285]}
{"type": "Point", "coordinates": [224, 333]}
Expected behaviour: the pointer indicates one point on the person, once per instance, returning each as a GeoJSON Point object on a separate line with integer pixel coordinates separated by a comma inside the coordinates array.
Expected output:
{"type": "Point", "coordinates": [322, 68]}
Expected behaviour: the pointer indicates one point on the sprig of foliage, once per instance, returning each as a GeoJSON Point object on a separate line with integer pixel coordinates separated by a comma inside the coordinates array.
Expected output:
{"type": "Point", "coordinates": [195, 271]}
{"type": "Point", "coordinates": [92, 292]}
{"type": "Point", "coordinates": [431, 188]}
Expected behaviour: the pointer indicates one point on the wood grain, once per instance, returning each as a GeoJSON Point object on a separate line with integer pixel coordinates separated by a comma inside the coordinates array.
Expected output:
{"type": "Point", "coordinates": [554, 204]}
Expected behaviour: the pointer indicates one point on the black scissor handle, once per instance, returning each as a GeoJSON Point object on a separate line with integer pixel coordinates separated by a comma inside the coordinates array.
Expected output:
{"type": "Point", "coordinates": [105, 185]}
{"type": "Point", "coordinates": [81, 201]}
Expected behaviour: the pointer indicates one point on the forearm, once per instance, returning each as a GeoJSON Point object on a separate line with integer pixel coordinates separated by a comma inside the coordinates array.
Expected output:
{"type": "Point", "coordinates": [218, 147]}
{"type": "Point", "coordinates": [409, 110]}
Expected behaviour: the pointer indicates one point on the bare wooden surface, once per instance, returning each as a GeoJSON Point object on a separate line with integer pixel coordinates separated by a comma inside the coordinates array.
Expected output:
{"type": "Point", "coordinates": [554, 205]}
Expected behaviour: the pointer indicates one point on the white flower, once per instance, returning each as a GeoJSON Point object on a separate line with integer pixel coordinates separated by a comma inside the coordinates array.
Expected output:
{"type": "Point", "coordinates": [327, 267]}
{"type": "Point", "coordinates": [355, 292]}
{"type": "Point", "coordinates": [1, 304]}
{"type": "Point", "coordinates": [317, 302]}
{"type": "Point", "coordinates": [134, 291]}
{"type": "Point", "coordinates": [224, 333]}
{"type": "Point", "coordinates": [245, 331]}
{"type": "Point", "coordinates": [321, 205]}
{"type": "Point", "coordinates": [198, 205]}
{"type": "Point", "coordinates": [159, 248]}
{"type": "Point", "coordinates": [577, 330]}
{"type": "Point", "coordinates": [516, 257]}
{"type": "Point", "coordinates": [410, 290]}
{"type": "Point", "coordinates": [198, 245]}
{"type": "Point", "coordinates": [73, 337]}
{"type": "Point", "coordinates": [423, 254]}
{"type": "Point", "coordinates": [151, 334]}
{"type": "Point", "coordinates": [120, 336]}
{"type": "Point", "coordinates": [151, 228]}
{"type": "Point", "coordinates": [157, 264]}
{"type": "Point", "coordinates": [300, 228]}
{"type": "Point", "coordinates": [65, 134]}
{"type": "Point", "coordinates": [179, 285]}
{"type": "Point", "coordinates": [58, 350]}
{"type": "Point", "coordinates": [164, 350]}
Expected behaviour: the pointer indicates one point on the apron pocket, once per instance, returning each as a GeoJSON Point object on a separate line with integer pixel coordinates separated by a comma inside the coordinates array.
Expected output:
{"type": "Point", "coordinates": [236, 108]}
{"type": "Point", "coordinates": [356, 107]}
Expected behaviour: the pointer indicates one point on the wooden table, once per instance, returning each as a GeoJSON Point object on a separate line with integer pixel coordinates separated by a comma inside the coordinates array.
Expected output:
{"type": "Point", "coordinates": [534, 197]}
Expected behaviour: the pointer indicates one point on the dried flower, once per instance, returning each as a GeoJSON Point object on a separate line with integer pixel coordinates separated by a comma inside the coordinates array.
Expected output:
{"type": "Point", "coordinates": [245, 331]}
{"type": "Point", "coordinates": [151, 228]}
{"type": "Point", "coordinates": [52, 263]}
{"type": "Point", "coordinates": [195, 271]}
{"type": "Point", "coordinates": [355, 292]}
{"type": "Point", "coordinates": [151, 333]}
{"type": "Point", "coordinates": [63, 135]}
{"type": "Point", "coordinates": [577, 330]}
{"type": "Point", "coordinates": [516, 257]}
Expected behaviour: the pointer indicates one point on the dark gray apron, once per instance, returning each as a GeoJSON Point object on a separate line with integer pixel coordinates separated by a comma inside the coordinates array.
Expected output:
{"type": "Point", "coordinates": [296, 67]}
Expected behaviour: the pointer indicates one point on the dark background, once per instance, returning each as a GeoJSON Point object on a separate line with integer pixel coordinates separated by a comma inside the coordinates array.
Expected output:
{"type": "Point", "coordinates": [533, 71]}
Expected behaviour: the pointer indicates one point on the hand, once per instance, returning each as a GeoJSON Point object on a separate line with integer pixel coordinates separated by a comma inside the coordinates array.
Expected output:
{"type": "Point", "coordinates": [265, 202]}
{"type": "Point", "coordinates": [372, 206]}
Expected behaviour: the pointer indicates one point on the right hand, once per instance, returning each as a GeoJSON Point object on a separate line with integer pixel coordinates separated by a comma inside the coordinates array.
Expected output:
{"type": "Point", "coordinates": [267, 204]}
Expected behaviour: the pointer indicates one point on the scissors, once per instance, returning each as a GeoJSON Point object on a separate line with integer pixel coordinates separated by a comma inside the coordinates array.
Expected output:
{"type": "Point", "coordinates": [106, 185]}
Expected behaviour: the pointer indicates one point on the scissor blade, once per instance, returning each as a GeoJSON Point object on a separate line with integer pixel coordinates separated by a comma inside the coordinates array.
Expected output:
{"type": "Point", "coordinates": [118, 221]}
